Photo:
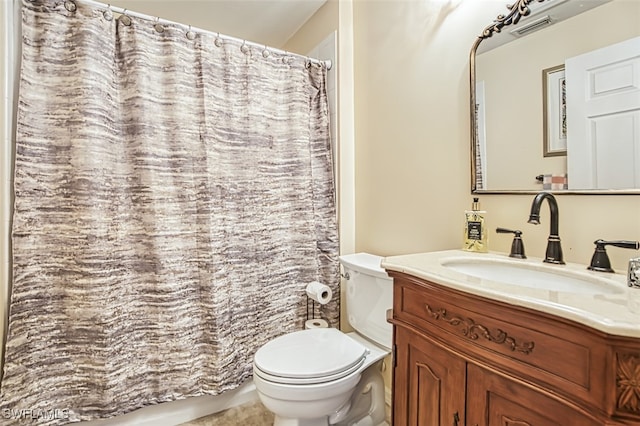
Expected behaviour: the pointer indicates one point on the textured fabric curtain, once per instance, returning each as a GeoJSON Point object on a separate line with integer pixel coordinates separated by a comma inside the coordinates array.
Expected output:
{"type": "Point", "coordinates": [174, 195]}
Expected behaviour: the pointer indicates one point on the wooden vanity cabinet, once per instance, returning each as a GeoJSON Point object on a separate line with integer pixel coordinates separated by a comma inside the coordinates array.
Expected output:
{"type": "Point", "coordinates": [460, 359]}
{"type": "Point", "coordinates": [500, 400]}
{"type": "Point", "coordinates": [429, 382]}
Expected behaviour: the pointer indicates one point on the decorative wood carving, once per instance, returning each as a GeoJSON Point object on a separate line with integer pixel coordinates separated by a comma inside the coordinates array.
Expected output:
{"type": "Point", "coordinates": [472, 330]}
{"type": "Point", "coordinates": [628, 382]}
{"type": "Point", "coordinates": [507, 421]}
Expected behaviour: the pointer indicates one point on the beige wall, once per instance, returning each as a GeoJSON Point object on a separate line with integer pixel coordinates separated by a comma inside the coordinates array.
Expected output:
{"type": "Point", "coordinates": [4, 187]}
{"type": "Point", "coordinates": [6, 165]}
{"type": "Point", "coordinates": [321, 24]}
{"type": "Point", "coordinates": [412, 124]}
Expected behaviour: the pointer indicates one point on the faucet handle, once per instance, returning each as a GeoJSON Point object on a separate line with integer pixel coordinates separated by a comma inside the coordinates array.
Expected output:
{"type": "Point", "coordinates": [600, 260]}
{"type": "Point", "coordinates": [517, 246]}
{"type": "Point", "coordinates": [633, 274]}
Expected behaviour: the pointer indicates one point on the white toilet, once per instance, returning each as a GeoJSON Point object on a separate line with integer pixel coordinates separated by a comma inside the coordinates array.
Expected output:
{"type": "Point", "coordinates": [322, 376]}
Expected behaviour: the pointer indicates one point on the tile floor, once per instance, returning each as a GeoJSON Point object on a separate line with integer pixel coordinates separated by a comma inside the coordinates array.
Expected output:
{"type": "Point", "coordinates": [250, 414]}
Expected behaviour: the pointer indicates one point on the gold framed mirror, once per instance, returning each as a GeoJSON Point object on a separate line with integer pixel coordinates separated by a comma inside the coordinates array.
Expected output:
{"type": "Point", "coordinates": [515, 146]}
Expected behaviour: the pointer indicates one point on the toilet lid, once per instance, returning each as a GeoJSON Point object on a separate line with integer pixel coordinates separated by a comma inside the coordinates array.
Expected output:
{"type": "Point", "coordinates": [310, 355]}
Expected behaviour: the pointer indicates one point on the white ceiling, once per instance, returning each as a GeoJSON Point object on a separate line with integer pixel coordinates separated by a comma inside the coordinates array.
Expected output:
{"type": "Point", "coordinates": [269, 22]}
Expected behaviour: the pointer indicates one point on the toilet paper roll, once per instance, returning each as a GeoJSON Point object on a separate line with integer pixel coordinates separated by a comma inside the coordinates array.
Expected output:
{"type": "Point", "coordinates": [319, 292]}
{"type": "Point", "coordinates": [315, 323]}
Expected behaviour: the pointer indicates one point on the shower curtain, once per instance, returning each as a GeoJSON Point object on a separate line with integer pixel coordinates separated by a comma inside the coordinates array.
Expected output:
{"type": "Point", "coordinates": [174, 195]}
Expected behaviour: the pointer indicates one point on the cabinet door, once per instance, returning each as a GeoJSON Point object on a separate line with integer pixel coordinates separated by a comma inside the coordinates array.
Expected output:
{"type": "Point", "coordinates": [494, 400]}
{"type": "Point", "coordinates": [429, 383]}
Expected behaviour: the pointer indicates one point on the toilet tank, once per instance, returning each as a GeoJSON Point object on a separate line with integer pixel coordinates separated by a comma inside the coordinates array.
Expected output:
{"type": "Point", "coordinates": [369, 293]}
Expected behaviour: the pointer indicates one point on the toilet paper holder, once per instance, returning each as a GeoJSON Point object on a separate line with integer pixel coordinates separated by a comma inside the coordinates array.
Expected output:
{"type": "Point", "coordinates": [311, 312]}
{"type": "Point", "coordinates": [316, 293]}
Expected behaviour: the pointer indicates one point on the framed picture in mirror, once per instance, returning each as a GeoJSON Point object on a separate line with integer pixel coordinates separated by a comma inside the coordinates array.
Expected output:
{"type": "Point", "coordinates": [554, 117]}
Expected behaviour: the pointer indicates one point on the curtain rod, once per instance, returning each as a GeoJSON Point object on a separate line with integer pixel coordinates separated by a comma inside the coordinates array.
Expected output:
{"type": "Point", "coordinates": [128, 12]}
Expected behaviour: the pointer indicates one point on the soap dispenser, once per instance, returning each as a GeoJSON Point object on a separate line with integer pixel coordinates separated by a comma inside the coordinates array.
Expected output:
{"type": "Point", "coordinates": [475, 232]}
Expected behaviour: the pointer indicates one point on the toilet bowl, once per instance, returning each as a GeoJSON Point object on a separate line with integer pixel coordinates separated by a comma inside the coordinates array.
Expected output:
{"type": "Point", "coordinates": [308, 377]}
{"type": "Point", "coordinates": [322, 376]}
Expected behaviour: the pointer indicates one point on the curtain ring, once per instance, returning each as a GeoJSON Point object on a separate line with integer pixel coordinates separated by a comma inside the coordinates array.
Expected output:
{"type": "Point", "coordinates": [107, 14]}
{"type": "Point", "coordinates": [265, 52]}
{"type": "Point", "coordinates": [124, 18]}
{"type": "Point", "coordinates": [244, 48]}
{"type": "Point", "coordinates": [159, 28]}
{"type": "Point", "coordinates": [190, 34]}
{"type": "Point", "coordinates": [217, 41]}
{"type": "Point", "coordinates": [308, 63]}
{"type": "Point", "coordinates": [286, 59]}
{"type": "Point", "coordinates": [70, 6]}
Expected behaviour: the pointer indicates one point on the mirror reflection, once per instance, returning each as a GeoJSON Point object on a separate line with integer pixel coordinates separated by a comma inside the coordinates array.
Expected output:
{"type": "Point", "coordinates": [542, 92]}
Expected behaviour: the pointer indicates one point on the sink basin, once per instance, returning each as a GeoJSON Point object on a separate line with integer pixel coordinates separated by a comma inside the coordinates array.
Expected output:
{"type": "Point", "coordinates": [543, 277]}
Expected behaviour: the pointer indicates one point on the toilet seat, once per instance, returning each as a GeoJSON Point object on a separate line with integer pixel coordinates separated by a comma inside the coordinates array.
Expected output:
{"type": "Point", "coordinates": [309, 356]}
{"type": "Point", "coordinates": [306, 381]}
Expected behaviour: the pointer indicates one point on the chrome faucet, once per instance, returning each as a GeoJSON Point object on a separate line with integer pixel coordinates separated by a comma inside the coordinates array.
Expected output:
{"type": "Point", "coordinates": [554, 250]}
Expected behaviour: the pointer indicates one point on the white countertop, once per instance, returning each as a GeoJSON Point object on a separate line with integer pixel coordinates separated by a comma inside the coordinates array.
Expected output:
{"type": "Point", "coordinates": [616, 313]}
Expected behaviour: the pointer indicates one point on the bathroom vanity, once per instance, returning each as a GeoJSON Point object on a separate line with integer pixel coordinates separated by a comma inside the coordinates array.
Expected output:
{"type": "Point", "coordinates": [471, 348]}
